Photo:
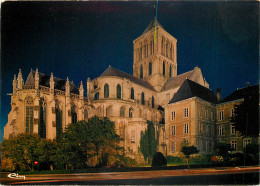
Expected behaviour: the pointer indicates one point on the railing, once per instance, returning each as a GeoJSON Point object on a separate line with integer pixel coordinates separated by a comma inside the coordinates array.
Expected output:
{"type": "Point", "coordinates": [45, 89]}
{"type": "Point", "coordinates": [28, 87]}
{"type": "Point", "coordinates": [59, 92]}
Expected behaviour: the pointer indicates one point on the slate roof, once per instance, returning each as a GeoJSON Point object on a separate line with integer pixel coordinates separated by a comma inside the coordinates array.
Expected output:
{"type": "Point", "coordinates": [191, 89]}
{"type": "Point", "coordinates": [177, 81]}
{"type": "Point", "coordinates": [152, 25]}
{"type": "Point", "coordinates": [110, 71]}
{"type": "Point", "coordinates": [44, 80]}
{"type": "Point", "coordinates": [252, 91]}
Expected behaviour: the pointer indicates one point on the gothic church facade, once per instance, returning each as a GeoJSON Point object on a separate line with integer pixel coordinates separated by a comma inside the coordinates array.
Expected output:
{"type": "Point", "coordinates": [45, 104]}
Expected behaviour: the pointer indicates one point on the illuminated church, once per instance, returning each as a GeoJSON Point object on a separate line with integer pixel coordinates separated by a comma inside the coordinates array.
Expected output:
{"type": "Point", "coordinates": [181, 106]}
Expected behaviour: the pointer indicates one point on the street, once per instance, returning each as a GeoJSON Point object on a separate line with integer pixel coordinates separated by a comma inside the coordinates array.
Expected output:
{"type": "Point", "coordinates": [209, 176]}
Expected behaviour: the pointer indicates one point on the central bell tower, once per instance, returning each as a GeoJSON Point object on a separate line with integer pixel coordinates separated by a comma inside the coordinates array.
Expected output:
{"type": "Point", "coordinates": [155, 55]}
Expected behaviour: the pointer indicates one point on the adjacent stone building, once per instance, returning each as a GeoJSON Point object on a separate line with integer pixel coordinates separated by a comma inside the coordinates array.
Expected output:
{"type": "Point", "coordinates": [181, 106]}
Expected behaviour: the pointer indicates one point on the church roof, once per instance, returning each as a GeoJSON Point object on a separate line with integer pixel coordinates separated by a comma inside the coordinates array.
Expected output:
{"type": "Point", "coordinates": [252, 91]}
{"type": "Point", "coordinates": [152, 25]}
{"type": "Point", "coordinates": [191, 89]}
{"type": "Point", "coordinates": [177, 81]}
{"type": "Point", "coordinates": [44, 80]}
{"type": "Point", "coordinates": [110, 71]}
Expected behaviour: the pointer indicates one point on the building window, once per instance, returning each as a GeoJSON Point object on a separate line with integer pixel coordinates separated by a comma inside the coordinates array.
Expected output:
{"type": "Point", "coordinates": [207, 130]}
{"type": "Point", "coordinates": [42, 118]}
{"type": "Point", "coordinates": [173, 115]}
{"type": "Point", "coordinates": [85, 114]}
{"type": "Point", "coordinates": [132, 93]}
{"type": "Point", "coordinates": [143, 101]}
{"type": "Point", "coordinates": [173, 147]}
{"type": "Point", "coordinates": [130, 113]}
{"type": "Point", "coordinates": [164, 68]}
{"type": "Point", "coordinates": [170, 71]}
{"type": "Point", "coordinates": [232, 129]}
{"type": "Point", "coordinates": [96, 96]}
{"type": "Point", "coordinates": [200, 115]}
{"type": "Point", "coordinates": [173, 130]}
{"type": "Point", "coordinates": [132, 136]}
{"type": "Point", "coordinates": [206, 113]}
{"type": "Point", "coordinates": [201, 128]}
{"type": "Point", "coordinates": [122, 112]}
{"type": "Point", "coordinates": [212, 116]}
{"type": "Point", "coordinates": [221, 115]}
{"type": "Point", "coordinates": [118, 92]}
{"type": "Point", "coordinates": [106, 91]}
{"type": "Point", "coordinates": [73, 114]}
{"type": "Point", "coordinates": [247, 142]}
{"type": "Point", "coordinates": [150, 68]}
{"type": "Point", "coordinates": [29, 115]}
{"type": "Point", "coordinates": [186, 128]}
{"type": "Point", "coordinates": [141, 72]}
{"type": "Point", "coordinates": [221, 130]}
{"type": "Point", "coordinates": [232, 114]}
{"type": "Point", "coordinates": [58, 112]}
{"type": "Point", "coordinates": [186, 112]}
{"type": "Point", "coordinates": [152, 102]}
{"type": "Point", "coordinates": [234, 145]}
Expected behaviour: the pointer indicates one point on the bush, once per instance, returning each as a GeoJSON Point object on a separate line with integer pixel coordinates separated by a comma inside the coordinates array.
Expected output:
{"type": "Point", "coordinates": [159, 160]}
{"type": "Point", "coordinates": [174, 159]}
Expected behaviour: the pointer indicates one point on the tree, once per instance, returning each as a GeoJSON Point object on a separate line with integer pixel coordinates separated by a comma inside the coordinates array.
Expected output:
{"type": "Point", "coordinates": [159, 160]}
{"type": "Point", "coordinates": [26, 148]}
{"type": "Point", "coordinates": [188, 150]}
{"type": "Point", "coordinates": [84, 140]}
{"type": "Point", "coordinates": [246, 116]}
{"type": "Point", "coordinates": [148, 144]}
{"type": "Point", "coordinates": [223, 149]}
{"type": "Point", "coordinates": [73, 146]}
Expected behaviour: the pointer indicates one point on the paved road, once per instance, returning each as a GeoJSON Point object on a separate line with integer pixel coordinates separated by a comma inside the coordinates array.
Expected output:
{"type": "Point", "coordinates": [245, 175]}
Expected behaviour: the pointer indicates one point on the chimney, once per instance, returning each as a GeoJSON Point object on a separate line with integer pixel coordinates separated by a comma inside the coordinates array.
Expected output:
{"type": "Point", "coordinates": [218, 94]}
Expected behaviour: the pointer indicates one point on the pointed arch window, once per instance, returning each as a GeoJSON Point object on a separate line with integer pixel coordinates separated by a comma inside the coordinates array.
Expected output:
{"type": "Point", "coordinates": [106, 91]}
{"type": "Point", "coordinates": [132, 93]}
{"type": "Point", "coordinates": [96, 96]}
{"type": "Point", "coordinates": [141, 72]}
{"type": "Point", "coordinates": [152, 102]}
{"type": "Point", "coordinates": [73, 114]}
{"type": "Point", "coordinates": [170, 71]}
{"type": "Point", "coordinates": [150, 68]}
{"type": "Point", "coordinates": [118, 91]}
{"type": "Point", "coordinates": [164, 68]}
{"type": "Point", "coordinates": [143, 101]}
{"type": "Point", "coordinates": [29, 115]}
{"type": "Point", "coordinates": [122, 112]}
{"type": "Point", "coordinates": [58, 112]}
{"type": "Point", "coordinates": [130, 113]}
{"type": "Point", "coordinates": [42, 118]}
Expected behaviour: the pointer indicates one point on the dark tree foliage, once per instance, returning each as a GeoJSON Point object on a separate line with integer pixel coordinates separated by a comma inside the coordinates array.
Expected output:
{"type": "Point", "coordinates": [246, 117]}
{"type": "Point", "coordinates": [159, 160]}
{"type": "Point", "coordinates": [84, 140]}
{"type": "Point", "coordinates": [223, 149]}
{"type": "Point", "coordinates": [26, 148]}
{"type": "Point", "coordinates": [148, 143]}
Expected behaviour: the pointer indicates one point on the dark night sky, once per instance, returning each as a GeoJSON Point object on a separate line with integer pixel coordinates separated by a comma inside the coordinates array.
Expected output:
{"type": "Point", "coordinates": [80, 40]}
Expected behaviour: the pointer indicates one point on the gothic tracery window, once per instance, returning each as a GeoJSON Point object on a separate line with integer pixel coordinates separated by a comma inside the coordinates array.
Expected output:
{"type": "Point", "coordinates": [42, 118]}
{"type": "Point", "coordinates": [106, 91]}
{"type": "Point", "coordinates": [132, 93]}
{"type": "Point", "coordinates": [142, 99]}
{"type": "Point", "coordinates": [152, 102]}
{"type": "Point", "coordinates": [170, 72]}
{"type": "Point", "coordinates": [118, 92]}
{"type": "Point", "coordinates": [58, 111]}
{"type": "Point", "coordinates": [29, 114]}
{"type": "Point", "coordinates": [141, 72]}
{"type": "Point", "coordinates": [73, 114]}
{"type": "Point", "coordinates": [150, 68]}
